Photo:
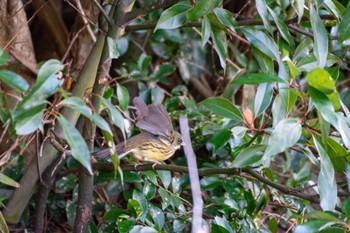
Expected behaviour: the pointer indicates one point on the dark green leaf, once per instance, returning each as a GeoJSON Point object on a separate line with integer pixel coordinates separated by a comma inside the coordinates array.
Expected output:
{"type": "Point", "coordinates": [76, 142]}
{"type": "Point", "coordinates": [28, 120]}
{"type": "Point", "coordinates": [261, 7]}
{"type": "Point", "coordinates": [165, 176]}
{"type": "Point", "coordinates": [313, 226]}
{"type": "Point", "coordinates": [143, 62]}
{"type": "Point", "coordinates": [344, 26]}
{"type": "Point", "coordinates": [158, 216]}
{"type": "Point", "coordinates": [173, 17]}
{"type": "Point", "coordinates": [282, 28]}
{"type": "Point", "coordinates": [140, 198]}
{"type": "Point", "coordinates": [303, 49]}
{"type": "Point", "coordinates": [220, 44]}
{"type": "Point", "coordinates": [346, 209]}
{"type": "Point", "coordinates": [166, 201]}
{"type": "Point", "coordinates": [223, 107]}
{"type": "Point", "coordinates": [14, 80]}
{"type": "Point", "coordinates": [220, 138]}
{"type": "Point", "coordinates": [320, 37]}
{"type": "Point", "coordinates": [257, 79]}
{"type": "Point", "coordinates": [309, 62]}
{"type": "Point", "coordinates": [249, 156]}
{"type": "Point", "coordinates": [206, 29]}
{"type": "Point", "coordinates": [123, 97]}
{"type": "Point", "coordinates": [265, 62]}
{"type": "Point", "coordinates": [226, 18]}
{"type": "Point", "coordinates": [163, 71]}
{"type": "Point", "coordinates": [202, 8]}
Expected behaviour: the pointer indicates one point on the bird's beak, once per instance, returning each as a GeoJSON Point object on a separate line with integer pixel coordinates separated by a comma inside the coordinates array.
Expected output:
{"type": "Point", "coordinates": [183, 144]}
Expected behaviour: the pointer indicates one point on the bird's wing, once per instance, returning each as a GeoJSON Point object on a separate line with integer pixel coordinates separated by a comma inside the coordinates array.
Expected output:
{"type": "Point", "coordinates": [153, 118]}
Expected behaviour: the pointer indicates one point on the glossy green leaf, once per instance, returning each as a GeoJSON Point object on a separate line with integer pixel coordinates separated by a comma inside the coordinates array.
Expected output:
{"type": "Point", "coordinates": [4, 58]}
{"type": "Point", "coordinates": [140, 198]}
{"type": "Point", "coordinates": [265, 62]}
{"type": "Point", "coordinates": [298, 5]}
{"type": "Point", "coordinates": [335, 100]}
{"type": "Point", "coordinates": [163, 71]}
{"type": "Point", "coordinates": [322, 215]}
{"type": "Point", "coordinates": [261, 7]}
{"type": "Point", "coordinates": [226, 18]}
{"type": "Point", "coordinates": [344, 26]}
{"type": "Point", "coordinates": [325, 107]}
{"type": "Point", "coordinates": [282, 28]}
{"type": "Point", "coordinates": [222, 222]}
{"type": "Point", "coordinates": [206, 29]}
{"type": "Point", "coordinates": [115, 116]}
{"type": "Point", "coordinates": [250, 156]}
{"type": "Point", "coordinates": [309, 62]}
{"type": "Point", "coordinates": [14, 80]}
{"type": "Point", "coordinates": [286, 133]}
{"type": "Point", "coordinates": [125, 226]}
{"type": "Point", "coordinates": [28, 120]}
{"type": "Point", "coordinates": [76, 142]}
{"type": "Point", "coordinates": [262, 42]}
{"type": "Point", "coordinates": [79, 105]}
{"type": "Point", "coordinates": [346, 208]}
{"type": "Point", "coordinates": [123, 97]}
{"type": "Point", "coordinates": [48, 69]}
{"type": "Point", "coordinates": [135, 208]}
{"type": "Point", "coordinates": [173, 17]}
{"type": "Point", "coordinates": [157, 216]}
{"type": "Point", "coordinates": [303, 49]}
{"type": "Point", "coordinates": [165, 177]}
{"type": "Point", "coordinates": [8, 181]}
{"type": "Point", "coordinates": [257, 79]}
{"type": "Point", "coordinates": [165, 198]}
{"type": "Point", "coordinates": [320, 37]}
{"type": "Point", "coordinates": [278, 110]}
{"type": "Point", "coordinates": [202, 8]}
{"type": "Point", "coordinates": [313, 226]}
{"type": "Point", "coordinates": [321, 80]}
{"type": "Point", "coordinates": [112, 48]}
{"type": "Point", "coordinates": [263, 98]}
{"type": "Point", "coordinates": [220, 44]}
{"type": "Point", "coordinates": [220, 138]}
{"type": "Point", "coordinates": [327, 185]}
{"type": "Point", "coordinates": [223, 107]}
{"type": "Point", "coordinates": [144, 62]}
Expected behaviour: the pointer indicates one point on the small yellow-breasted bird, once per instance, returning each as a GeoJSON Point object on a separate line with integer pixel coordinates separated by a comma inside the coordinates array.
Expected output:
{"type": "Point", "coordinates": [157, 141]}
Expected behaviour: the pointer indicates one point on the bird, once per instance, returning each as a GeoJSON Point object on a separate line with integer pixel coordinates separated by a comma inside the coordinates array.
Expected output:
{"type": "Point", "coordinates": [157, 141]}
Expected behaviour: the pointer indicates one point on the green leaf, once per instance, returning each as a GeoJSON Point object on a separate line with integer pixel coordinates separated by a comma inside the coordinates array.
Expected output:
{"type": "Point", "coordinates": [8, 181]}
{"type": "Point", "coordinates": [320, 37]}
{"type": "Point", "coordinates": [286, 133]}
{"type": "Point", "coordinates": [325, 107]}
{"type": "Point", "coordinates": [76, 142]}
{"type": "Point", "coordinates": [313, 226]}
{"type": "Point", "coordinates": [112, 48]}
{"type": "Point", "coordinates": [123, 97]}
{"type": "Point", "coordinates": [165, 176]}
{"type": "Point", "coordinates": [256, 78]}
{"type": "Point", "coordinates": [226, 18]}
{"type": "Point", "coordinates": [3, 224]}
{"type": "Point", "coordinates": [206, 29]}
{"type": "Point", "coordinates": [282, 28]}
{"type": "Point", "coordinates": [157, 216]}
{"type": "Point", "coordinates": [309, 62]}
{"type": "Point", "coordinates": [115, 116]}
{"type": "Point", "coordinates": [344, 26]}
{"type": "Point", "coordinates": [143, 62]}
{"type": "Point", "coordinates": [250, 156]}
{"type": "Point", "coordinates": [299, 8]}
{"type": "Point", "coordinates": [303, 49]}
{"type": "Point", "coordinates": [261, 7]}
{"type": "Point", "coordinates": [263, 98]}
{"type": "Point", "coordinates": [262, 42]}
{"type": "Point", "coordinates": [28, 120]}
{"type": "Point", "coordinates": [4, 58]}
{"type": "Point", "coordinates": [48, 69]}
{"type": "Point", "coordinates": [223, 107]}
{"type": "Point", "coordinates": [220, 138]}
{"type": "Point", "coordinates": [202, 8]}
{"type": "Point", "coordinates": [135, 207]}
{"type": "Point", "coordinates": [166, 201]}
{"type": "Point", "coordinates": [321, 80]}
{"type": "Point", "coordinates": [163, 71]}
{"type": "Point", "coordinates": [327, 185]}
{"type": "Point", "coordinates": [320, 215]}
{"type": "Point", "coordinates": [220, 44]}
{"type": "Point", "coordinates": [79, 105]}
{"type": "Point", "coordinates": [140, 198]}
{"type": "Point", "coordinates": [14, 80]}
{"type": "Point", "coordinates": [265, 62]}
{"type": "Point", "coordinates": [346, 208]}
{"type": "Point", "coordinates": [173, 17]}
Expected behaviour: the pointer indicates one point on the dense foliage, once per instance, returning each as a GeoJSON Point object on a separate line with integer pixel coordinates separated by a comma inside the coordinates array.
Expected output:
{"type": "Point", "coordinates": [264, 86]}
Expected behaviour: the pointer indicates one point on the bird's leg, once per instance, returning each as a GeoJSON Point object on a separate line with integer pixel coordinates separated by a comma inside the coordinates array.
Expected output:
{"type": "Point", "coordinates": [155, 162]}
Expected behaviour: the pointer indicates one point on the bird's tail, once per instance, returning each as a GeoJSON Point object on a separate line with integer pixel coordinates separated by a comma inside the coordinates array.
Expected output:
{"type": "Point", "coordinates": [105, 153]}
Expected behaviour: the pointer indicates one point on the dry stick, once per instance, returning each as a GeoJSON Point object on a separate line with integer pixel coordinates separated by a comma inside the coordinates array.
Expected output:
{"type": "Point", "coordinates": [194, 179]}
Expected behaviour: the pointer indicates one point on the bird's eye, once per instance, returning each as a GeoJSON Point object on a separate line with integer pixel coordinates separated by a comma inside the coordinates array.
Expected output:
{"type": "Point", "coordinates": [179, 141]}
